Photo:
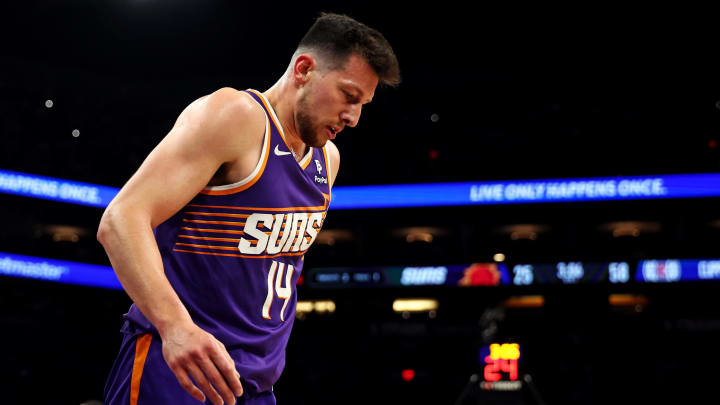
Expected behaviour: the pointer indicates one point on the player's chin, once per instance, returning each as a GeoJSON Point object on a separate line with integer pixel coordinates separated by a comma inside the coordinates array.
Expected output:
{"type": "Point", "coordinates": [320, 140]}
{"type": "Point", "coordinates": [320, 143]}
{"type": "Point", "coordinates": [315, 140]}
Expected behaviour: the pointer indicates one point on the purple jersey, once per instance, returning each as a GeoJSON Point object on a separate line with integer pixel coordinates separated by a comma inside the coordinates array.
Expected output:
{"type": "Point", "coordinates": [235, 253]}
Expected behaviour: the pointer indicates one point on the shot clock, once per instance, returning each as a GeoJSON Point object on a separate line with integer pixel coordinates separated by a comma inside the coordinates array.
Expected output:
{"type": "Point", "coordinates": [500, 363]}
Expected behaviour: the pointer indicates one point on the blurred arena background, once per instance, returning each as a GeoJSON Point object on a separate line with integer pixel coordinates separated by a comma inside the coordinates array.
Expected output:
{"type": "Point", "coordinates": [527, 300]}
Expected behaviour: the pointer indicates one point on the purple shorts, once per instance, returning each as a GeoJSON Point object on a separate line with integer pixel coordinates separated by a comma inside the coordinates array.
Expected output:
{"type": "Point", "coordinates": [140, 376]}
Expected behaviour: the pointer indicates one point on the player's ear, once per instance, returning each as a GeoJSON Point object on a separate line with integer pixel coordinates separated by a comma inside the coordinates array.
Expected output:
{"type": "Point", "coordinates": [305, 65]}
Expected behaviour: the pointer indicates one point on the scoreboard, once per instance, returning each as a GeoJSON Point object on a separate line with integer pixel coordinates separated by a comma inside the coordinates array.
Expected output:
{"type": "Point", "coordinates": [518, 274]}
{"type": "Point", "coordinates": [458, 275]}
{"type": "Point", "coordinates": [571, 273]}
{"type": "Point", "coordinates": [665, 271]}
{"type": "Point", "coordinates": [475, 274]}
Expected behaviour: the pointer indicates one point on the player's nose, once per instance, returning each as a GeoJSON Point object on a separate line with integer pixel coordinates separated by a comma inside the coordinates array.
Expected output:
{"type": "Point", "coordinates": [351, 116]}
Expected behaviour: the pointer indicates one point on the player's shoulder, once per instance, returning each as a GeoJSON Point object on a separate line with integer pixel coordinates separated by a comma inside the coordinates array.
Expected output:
{"type": "Point", "coordinates": [332, 150]}
{"type": "Point", "coordinates": [233, 97]}
{"type": "Point", "coordinates": [233, 106]}
{"type": "Point", "coordinates": [333, 154]}
{"type": "Point", "coordinates": [226, 113]}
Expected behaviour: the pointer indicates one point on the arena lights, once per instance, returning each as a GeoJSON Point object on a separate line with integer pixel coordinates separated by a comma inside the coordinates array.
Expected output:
{"type": "Point", "coordinates": [408, 374]}
{"type": "Point", "coordinates": [425, 195]}
{"type": "Point", "coordinates": [525, 301]}
{"type": "Point", "coordinates": [415, 305]}
{"type": "Point", "coordinates": [317, 306]}
{"type": "Point", "coordinates": [627, 300]}
{"type": "Point", "coordinates": [303, 308]}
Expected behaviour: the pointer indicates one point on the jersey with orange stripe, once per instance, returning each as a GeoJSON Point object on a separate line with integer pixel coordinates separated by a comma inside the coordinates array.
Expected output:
{"type": "Point", "coordinates": [235, 253]}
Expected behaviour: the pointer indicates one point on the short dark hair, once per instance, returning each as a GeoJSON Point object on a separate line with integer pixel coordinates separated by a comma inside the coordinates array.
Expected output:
{"type": "Point", "coordinates": [338, 36]}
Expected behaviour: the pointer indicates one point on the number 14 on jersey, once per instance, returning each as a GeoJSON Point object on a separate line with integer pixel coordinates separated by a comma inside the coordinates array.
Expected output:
{"type": "Point", "coordinates": [274, 283]}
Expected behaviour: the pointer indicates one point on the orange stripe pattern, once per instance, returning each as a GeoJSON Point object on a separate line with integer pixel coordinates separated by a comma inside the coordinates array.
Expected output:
{"type": "Point", "coordinates": [198, 221]}
{"type": "Point", "coordinates": [208, 246]}
{"type": "Point", "coordinates": [284, 209]}
{"type": "Point", "coordinates": [208, 238]}
{"type": "Point", "coordinates": [212, 230]}
{"type": "Point", "coordinates": [243, 256]}
{"type": "Point", "coordinates": [215, 214]}
{"type": "Point", "coordinates": [142, 347]}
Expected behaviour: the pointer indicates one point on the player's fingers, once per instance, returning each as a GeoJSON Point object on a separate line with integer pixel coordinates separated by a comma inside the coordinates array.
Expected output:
{"type": "Point", "coordinates": [203, 383]}
{"type": "Point", "coordinates": [217, 380]}
{"type": "Point", "coordinates": [187, 384]}
{"type": "Point", "coordinates": [226, 365]}
{"type": "Point", "coordinates": [221, 348]}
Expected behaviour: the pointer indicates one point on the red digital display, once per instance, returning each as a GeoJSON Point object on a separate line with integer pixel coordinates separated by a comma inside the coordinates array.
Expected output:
{"type": "Point", "coordinates": [502, 362]}
{"type": "Point", "coordinates": [500, 367]}
{"type": "Point", "coordinates": [494, 367]}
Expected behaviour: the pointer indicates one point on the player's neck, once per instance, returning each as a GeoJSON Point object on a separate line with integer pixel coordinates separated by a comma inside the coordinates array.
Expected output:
{"type": "Point", "coordinates": [282, 102]}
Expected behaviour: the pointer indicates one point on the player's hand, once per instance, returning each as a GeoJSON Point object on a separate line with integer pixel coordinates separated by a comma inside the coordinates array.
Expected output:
{"type": "Point", "coordinates": [193, 353]}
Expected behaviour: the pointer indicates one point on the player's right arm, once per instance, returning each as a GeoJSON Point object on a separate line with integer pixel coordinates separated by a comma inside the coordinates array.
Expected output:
{"type": "Point", "coordinates": [223, 127]}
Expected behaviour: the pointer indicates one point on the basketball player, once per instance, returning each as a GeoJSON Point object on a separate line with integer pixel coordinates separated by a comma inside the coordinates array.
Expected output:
{"type": "Point", "coordinates": [208, 237]}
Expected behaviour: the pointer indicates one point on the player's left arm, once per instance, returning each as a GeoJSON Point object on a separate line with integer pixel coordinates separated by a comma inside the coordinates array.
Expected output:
{"type": "Point", "coordinates": [334, 157]}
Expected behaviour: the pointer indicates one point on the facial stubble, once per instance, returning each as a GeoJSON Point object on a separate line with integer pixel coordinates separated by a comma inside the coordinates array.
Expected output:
{"type": "Point", "coordinates": [308, 132]}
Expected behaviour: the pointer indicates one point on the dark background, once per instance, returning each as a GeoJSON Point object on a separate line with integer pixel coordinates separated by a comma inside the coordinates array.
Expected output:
{"type": "Point", "coordinates": [519, 92]}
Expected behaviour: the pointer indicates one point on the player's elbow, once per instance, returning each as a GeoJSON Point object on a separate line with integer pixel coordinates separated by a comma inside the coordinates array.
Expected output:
{"type": "Point", "coordinates": [119, 220]}
{"type": "Point", "coordinates": [110, 224]}
{"type": "Point", "coordinates": [105, 228]}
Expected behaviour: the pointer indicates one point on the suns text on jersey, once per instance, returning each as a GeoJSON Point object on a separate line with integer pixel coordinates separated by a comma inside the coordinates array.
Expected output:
{"type": "Point", "coordinates": [280, 233]}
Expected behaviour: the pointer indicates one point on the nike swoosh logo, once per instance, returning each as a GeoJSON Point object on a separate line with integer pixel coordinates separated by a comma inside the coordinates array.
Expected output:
{"type": "Point", "coordinates": [279, 152]}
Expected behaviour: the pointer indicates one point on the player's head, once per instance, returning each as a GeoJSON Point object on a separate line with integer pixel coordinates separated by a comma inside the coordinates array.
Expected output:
{"type": "Point", "coordinates": [336, 68]}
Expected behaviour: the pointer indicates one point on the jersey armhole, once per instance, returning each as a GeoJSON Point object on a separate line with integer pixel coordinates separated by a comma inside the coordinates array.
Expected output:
{"type": "Point", "coordinates": [253, 177]}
